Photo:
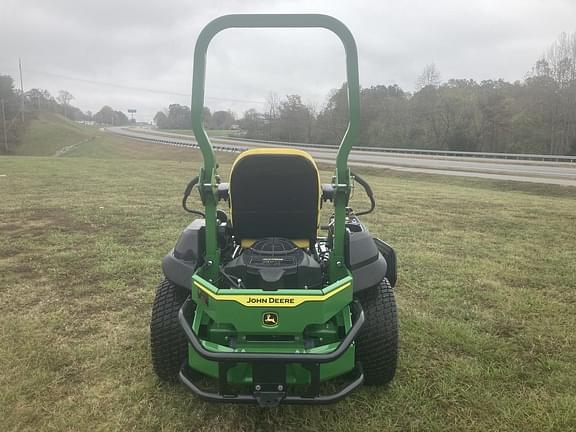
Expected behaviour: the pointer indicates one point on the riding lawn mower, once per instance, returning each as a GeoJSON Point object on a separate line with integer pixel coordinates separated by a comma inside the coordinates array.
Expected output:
{"type": "Point", "coordinates": [256, 305]}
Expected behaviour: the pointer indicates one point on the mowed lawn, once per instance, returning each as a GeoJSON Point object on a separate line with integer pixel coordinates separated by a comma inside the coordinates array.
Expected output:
{"type": "Point", "coordinates": [486, 299]}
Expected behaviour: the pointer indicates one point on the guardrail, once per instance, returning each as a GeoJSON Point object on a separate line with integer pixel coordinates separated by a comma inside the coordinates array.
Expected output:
{"type": "Point", "coordinates": [448, 153]}
{"type": "Point", "coordinates": [453, 153]}
{"type": "Point", "coordinates": [179, 143]}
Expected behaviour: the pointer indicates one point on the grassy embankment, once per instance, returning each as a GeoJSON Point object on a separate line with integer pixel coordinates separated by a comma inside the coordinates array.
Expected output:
{"type": "Point", "coordinates": [49, 133]}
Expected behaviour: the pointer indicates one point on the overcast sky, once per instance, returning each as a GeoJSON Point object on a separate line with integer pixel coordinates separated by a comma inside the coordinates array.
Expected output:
{"type": "Point", "coordinates": [138, 54]}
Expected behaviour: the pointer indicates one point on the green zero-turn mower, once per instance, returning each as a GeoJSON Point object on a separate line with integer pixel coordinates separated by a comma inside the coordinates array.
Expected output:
{"type": "Point", "coordinates": [258, 300]}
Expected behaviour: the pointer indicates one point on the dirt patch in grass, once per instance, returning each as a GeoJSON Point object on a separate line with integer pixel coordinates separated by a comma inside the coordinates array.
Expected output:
{"type": "Point", "coordinates": [10, 251]}
{"type": "Point", "coordinates": [42, 220]}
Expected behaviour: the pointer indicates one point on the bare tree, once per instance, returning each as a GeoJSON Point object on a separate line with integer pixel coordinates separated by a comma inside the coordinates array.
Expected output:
{"type": "Point", "coordinates": [430, 76]}
{"type": "Point", "coordinates": [557, 67]}
{"type": "Point", "coordinates": [64, 98]}
{"type": "Point", "coordinates": [273, 106]}
{"type": "Point", "coordinates": [561, 59]}
{"type": "Point", "coordinates": [312, 108]}
{"type": "Point", "coordinates": [272, 114]}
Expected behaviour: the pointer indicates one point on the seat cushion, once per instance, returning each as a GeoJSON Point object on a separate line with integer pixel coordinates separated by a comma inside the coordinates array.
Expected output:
{"type": "Point", "coordinates": [275, 193]}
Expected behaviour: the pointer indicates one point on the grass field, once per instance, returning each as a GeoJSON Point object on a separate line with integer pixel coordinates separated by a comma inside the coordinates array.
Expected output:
{"type": "Point", "coordinates": [486, 298]}
{"type": "Point", "coordinates": [50, 132]}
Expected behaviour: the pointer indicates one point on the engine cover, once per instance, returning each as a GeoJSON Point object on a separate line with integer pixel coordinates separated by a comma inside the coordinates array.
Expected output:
{"type": "Point", "coordinates": [275, 263]}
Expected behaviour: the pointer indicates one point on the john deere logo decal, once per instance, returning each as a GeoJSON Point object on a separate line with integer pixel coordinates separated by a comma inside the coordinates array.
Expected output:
{"type": "Point", "coordinates": [270, 319]}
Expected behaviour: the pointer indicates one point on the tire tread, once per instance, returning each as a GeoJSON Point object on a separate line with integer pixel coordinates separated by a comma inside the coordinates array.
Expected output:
{"type": "Point", "coordinates": [377, 342]}
{"type": "Point", "coordinates": [168, 344]}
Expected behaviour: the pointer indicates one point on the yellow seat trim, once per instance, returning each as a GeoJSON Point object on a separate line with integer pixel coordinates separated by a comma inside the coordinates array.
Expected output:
{"type": "Point", "coordinates": [299, 243]}
{"type": "Point", "coordinates": [277, 151]}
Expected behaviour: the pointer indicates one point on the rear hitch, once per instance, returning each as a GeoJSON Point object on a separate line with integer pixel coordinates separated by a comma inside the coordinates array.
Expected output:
{"type": "Point", "coordinates": [269, 399]}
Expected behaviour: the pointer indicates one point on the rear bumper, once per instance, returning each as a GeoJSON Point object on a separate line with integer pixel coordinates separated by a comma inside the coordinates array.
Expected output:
{"type": "Point", "coordinates": [269, 383]}
{"type": "Point", "coordinates": [270, 398]}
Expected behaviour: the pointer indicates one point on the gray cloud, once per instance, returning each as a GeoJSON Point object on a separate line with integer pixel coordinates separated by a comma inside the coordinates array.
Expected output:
{"type": "Point", "coordinates": [149, 45]}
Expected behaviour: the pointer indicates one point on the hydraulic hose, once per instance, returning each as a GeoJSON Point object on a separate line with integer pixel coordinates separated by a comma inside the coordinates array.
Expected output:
{"type": "Point", "coordinates": [187, 192]}
{"type": "Point", "coordinates": [369, 192]}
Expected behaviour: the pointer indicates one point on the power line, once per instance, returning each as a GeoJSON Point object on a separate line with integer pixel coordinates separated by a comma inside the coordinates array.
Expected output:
{"type": "Point", "coordinates": [158, 91]}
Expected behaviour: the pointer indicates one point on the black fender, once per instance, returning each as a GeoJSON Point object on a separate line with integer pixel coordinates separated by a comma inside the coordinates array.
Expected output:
{"type": "Point", "coordinates": [369, 259]}
{"type": "Point", "coordinates": [367, 265]}
{"type": "Point", "coordinates": [389, 255]}
{"type": "Point", "coordinates": [182, 261]}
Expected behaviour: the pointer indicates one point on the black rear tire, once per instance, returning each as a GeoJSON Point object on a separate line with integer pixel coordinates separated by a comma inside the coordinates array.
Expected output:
{"type": "Point", "coordinates": [377, 342]}
{"type": "Point", "coordinates": [168, 344]}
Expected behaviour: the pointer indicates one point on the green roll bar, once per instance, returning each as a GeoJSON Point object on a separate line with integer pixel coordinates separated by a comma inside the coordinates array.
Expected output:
{"type": "Point", "coordinates": [208, 187]}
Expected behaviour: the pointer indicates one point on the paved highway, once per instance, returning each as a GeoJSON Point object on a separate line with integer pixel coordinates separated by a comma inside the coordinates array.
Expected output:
{"type": "Point", "coordinates": [560, 173]}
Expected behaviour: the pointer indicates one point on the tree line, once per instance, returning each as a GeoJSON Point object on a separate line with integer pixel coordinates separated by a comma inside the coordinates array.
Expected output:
{"type": "Point", "coordinates": [535, 115]}
{"type": "Point", "coordinates": [17, 111]}
{"type": "Point", "coordinates": [40, 100]}
{"type": "Point", "coordinates": [180, 117]}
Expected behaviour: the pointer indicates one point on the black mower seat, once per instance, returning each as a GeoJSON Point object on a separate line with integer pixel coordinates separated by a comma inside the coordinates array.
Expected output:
{"type": "Point", "coordinates": [275, 192]}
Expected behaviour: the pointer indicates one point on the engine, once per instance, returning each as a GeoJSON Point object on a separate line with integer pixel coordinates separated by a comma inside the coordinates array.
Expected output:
{"type": "Point", "coordinates": [275, 263]}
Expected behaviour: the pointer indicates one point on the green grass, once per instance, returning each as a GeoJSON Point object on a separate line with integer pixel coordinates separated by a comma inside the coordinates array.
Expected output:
{"type": "Point", "coordinates": [48, 133]}
{"type": "Point", "coordinates": [486, 298]}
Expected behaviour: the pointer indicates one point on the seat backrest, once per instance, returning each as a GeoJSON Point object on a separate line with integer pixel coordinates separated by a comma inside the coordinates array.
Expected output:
{"type": "Point", "coordinates": [275, 192]}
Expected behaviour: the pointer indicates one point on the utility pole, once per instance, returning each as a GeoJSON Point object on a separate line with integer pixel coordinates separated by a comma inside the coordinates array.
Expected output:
{"type": "Point", "coordinates": [4, 126]}
{"type": "Point", "coordinates": [21, 90]}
